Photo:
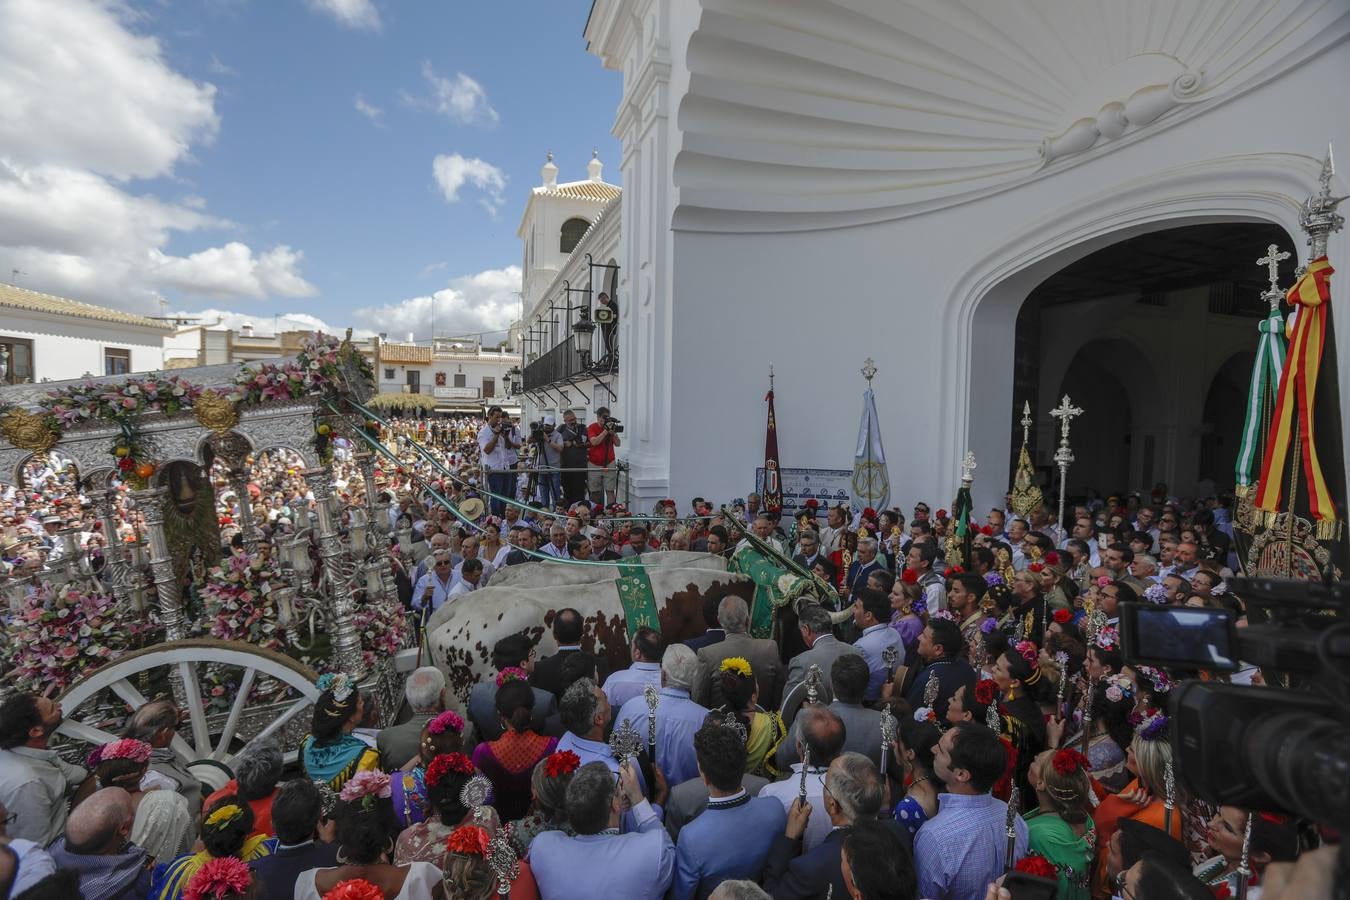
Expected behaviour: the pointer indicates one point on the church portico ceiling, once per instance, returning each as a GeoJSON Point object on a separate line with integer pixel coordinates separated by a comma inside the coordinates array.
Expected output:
{"type": "Point", "coordinates": [818, 113]}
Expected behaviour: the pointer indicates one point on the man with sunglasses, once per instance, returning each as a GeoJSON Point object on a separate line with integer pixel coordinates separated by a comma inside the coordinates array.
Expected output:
{"type": "Point", "coordinates": [433, 588]}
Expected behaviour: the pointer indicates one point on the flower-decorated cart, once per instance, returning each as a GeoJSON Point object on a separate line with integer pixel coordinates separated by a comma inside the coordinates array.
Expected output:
{"type": "Point", "coordinates": [153, 602]}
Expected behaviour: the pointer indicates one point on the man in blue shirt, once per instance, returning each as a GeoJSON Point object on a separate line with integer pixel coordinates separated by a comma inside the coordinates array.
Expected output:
{"type": "Point", "coordinates": [647, 648]}
{"type": "Point", "coordinates": [677, 717]}
{"type": "Point", "coordinates": [599, 861]}
{"type": "Point", "coordinates": [584, 712]}
{"type": "Point", "coordinates": [964, 847]}
{"type": "Point", "coordinates": [731, 838]}
{"type": "Point", "coordinates": [872, 615]}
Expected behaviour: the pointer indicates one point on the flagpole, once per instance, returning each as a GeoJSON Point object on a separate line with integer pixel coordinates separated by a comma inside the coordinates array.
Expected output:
{"type": "Point", "coordinates": [869, 371]}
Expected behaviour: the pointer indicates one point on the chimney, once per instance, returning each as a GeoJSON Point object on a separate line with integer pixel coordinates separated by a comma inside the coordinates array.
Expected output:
{"type": "Point", "coordinates": [594, 167]}
{"type": "Point", "coordinates": [246, 329]}
{"type": "Point", "coordinates": [410, 337]}
{"type": "Point", "coordinates": [550, 172]}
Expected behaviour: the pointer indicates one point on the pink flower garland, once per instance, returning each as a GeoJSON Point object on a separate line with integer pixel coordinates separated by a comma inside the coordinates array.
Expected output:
{"type": "Point", "coordinates": [224, 876]}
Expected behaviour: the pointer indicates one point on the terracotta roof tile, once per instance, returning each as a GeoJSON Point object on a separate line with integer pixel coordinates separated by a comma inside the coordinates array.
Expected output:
{"type": "Point", "coordinates": [14, 297]}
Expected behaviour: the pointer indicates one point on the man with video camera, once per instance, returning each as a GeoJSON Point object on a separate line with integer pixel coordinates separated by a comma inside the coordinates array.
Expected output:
{"type": "Point", "coordinates": [602, 471]}
{"type": "Point", "coordinates": [498, 441]}
{"type": "Point", "coordinates": [548, 459]}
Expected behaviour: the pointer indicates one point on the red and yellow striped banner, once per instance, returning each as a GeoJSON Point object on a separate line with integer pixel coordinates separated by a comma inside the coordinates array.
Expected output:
{"type": "Point", "coordinates": [1297, 394]}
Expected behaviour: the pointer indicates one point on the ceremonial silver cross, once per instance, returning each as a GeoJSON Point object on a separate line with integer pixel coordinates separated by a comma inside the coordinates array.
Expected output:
{"type": "Point", "coordinates": [968, 467]}
{"type": "Point", "coordinates": [1026, 420]}
{"type": "Point", "coordinates": [625, 743]}
{"type": "Point", "coordinates": [869, 370]}
{"type": "Point", "coordinates": [1272, 263]}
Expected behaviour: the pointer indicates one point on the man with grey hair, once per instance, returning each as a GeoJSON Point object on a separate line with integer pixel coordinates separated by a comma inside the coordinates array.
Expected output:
{"type": "Point", "coordinates": [600, 862]}
{"type": "Point", "coordinates": [677, 716]}
{"type": "Point", "coordinates": [1145, 568]}
{"type": "Point", "coordinates": [584, 712]}
{"type": "Point", "coordinates": [257, 770]}
{"type": "Point", "coordinates": [738, 890]}
{"type": "Point", "coordinates": [425, 693]}
{"type": "Point", "coordinates": [97, 845]}
{"type": "Point", "coordinates": [469, 550]}
{"type": "Point", "coordinates": [156, 723]}
{"type": "Point", "coordinates": [864, 563]}
{"type": "Point", "coordinates": [853, 792]}
{"type": "Point", "coordinates": [823, 648]}
{"type": "Point", "coordinates": [734, 616]}
{"type": "Point", "coordinates": [439, 541]}
{"type": "Point", "coordinates": [433, 588]}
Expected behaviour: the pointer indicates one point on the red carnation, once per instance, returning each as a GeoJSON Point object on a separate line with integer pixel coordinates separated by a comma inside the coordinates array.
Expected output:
{"type": "Point", "coordinates": [126, 464]}
{"type": "Point", "coordinates": [869, 513]}
{"type": "Point", "coordinates": [1035, 864]}
{"type": "Point", "coordinates": [987, 530]}
{"type": "Point", "coordinates": [1068, 761]}
{"type": "Point", "coordinates": [446, 763]}
{"type": "Point", "coordinates": [942, 514]}
{"type": "Point", "coordinates": [910, 576]}
{"type": "Point", "coordinates": [354, 889]}
{"type": "Point", "coordinates": [1063, 616]}
{"type": "Point", "coordinates": [469, 840]}
{"type": "Point", "coordinates": [952, 570]}
{"type": "Point", "coordinates": [1052, 558]}
{"type": "Point", "coordinates": [813, 503]}
{"type": "Point", "coordinates": [985, 692]}
{"type": "Point", "coordinates": [564, 762]}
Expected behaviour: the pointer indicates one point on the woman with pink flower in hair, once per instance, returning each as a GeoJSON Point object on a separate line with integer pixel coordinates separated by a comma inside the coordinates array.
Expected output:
{"type": "Point", "coordinates": [443, 734]}
{"type": "Point", "coordinates": [365, 821]}
{"type": "Point", "coordinates": [122, 764]}
{"type": "Point", "coordinates": [509, 761]}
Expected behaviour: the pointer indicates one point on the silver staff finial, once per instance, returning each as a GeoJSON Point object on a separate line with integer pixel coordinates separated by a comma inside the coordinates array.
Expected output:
{"type": "Point", "coordinates": [625, 743]}
{"type": "Point", "coordinates": [1272, 261]}
{"type": "Point", "coordinates": [869, 370]}
{"type": "Point", "coordinates": [1026, 421]}
{"type": "Point", "coordinates": [968, 467]}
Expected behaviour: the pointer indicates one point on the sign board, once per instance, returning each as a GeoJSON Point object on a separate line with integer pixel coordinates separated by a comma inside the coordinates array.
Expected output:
{"type": "Point", "coordinates": [829, 486]}
{"type": "Point", "coordinates": [455, 393]}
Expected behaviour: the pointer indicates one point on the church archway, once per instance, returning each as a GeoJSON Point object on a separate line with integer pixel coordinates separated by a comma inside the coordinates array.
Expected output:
{"type": "Point", "coordinates": [1224, 411]}
{"type": "Point", "coordinates": [981, 322]}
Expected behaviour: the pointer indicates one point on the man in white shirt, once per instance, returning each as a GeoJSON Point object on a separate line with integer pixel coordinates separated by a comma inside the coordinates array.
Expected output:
{"type": "Point", "coordinates": [35, 783]}
{"type": "Point", "coordinates": [557, 543]}
{"type": "Point", "coordinates": [820, 738]}
{"type": "Point", "coordinates": [498, 441]}
{"type": "Point", "coordinates": [470, 576]}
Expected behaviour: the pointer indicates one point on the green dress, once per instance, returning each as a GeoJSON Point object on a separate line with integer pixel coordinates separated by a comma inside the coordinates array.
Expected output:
{"type": "Point", "coordinates": [1072, 855]}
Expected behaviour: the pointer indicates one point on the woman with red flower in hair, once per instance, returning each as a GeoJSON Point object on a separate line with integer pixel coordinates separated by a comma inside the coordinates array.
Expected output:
{"type": "Point", "coordinates": [445, 779]}
{"type": "Point", "coordinates": [468, 875]}
{"type": "Point", "coordinates": [1274, 839]}
{"type": "Point", "coordinates": [548, 791]}
{"type": "Point", "coordinates": [1060, 827]}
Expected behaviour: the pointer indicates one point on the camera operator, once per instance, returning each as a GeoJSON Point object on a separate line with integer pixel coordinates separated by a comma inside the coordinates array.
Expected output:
{"type": "Point", "coordinates": [547, 460]}
{"type": "Point", "coordinates": [602, 473]}
{"type": "Point", "coordinates": [574, 458]}
{"type": "Point", "coordinates": [498, 441]}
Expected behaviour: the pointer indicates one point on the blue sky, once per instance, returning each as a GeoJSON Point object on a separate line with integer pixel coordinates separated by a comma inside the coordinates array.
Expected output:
{"type": "Point", "coordinates": [335, 160]}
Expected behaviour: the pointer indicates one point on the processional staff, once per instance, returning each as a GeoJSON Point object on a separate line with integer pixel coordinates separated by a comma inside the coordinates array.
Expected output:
{"type": "Point", "coordinates": [1066, 412]}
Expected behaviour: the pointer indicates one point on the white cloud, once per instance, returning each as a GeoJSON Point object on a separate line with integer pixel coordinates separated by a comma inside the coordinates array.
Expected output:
{"type": "Point", "coordinates": [430, 268]}
{"type": "Point", "coordinates": [77, 127]}
{"type": "Point", "coordinates": [218, 68]}
{"type": "Point", "coordinates": [358, 14]}
{"type": "Point", "coordinates": [461, 98]}
{"type": "Point", "coordinates": [369, 110]}
{"type": "Point", "coordinates": [452, 172]}
{"type": "Point", "coordinates": [77, 88]}
{"type": "Point", "coordinates": [486, 301]}
{"type": "Point", "coordinates": [232, 271]}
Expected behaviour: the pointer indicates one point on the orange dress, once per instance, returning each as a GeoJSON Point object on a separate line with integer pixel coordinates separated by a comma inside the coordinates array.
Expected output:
{"type": "Point", "coordinates": [1113, 809]}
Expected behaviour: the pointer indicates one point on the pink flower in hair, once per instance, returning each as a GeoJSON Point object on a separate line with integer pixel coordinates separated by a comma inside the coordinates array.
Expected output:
{"type": "Point", "coordinates": [126, 748]}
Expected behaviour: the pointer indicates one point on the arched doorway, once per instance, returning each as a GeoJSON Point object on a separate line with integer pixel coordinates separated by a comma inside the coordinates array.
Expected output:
{"type": "Point", "coordinates": [1224, 412]}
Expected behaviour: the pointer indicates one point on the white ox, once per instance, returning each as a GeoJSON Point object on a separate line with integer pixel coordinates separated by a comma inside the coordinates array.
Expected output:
{"type": "Point", "coordinates": [461, 634]}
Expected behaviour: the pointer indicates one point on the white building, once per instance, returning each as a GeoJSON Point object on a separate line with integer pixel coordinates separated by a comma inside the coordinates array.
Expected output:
{"type": "Point", "coordinates": [460, 374]}
{"type": "Point", "coordinates": [48, 338]}
{"type": "Point", "coordinates": [570, 243]}
{"type": "Point", "coordinates": [996, 201]}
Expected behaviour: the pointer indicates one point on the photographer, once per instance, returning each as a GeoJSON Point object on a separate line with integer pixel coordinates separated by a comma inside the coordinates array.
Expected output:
{"type": "Point", "coordinates": [547, 460]}
{"type": "Point", "coordinates": [574, 459]}
{"type": "Point", "coordinates": [498, 441]}
{"type": "Point", "coordinates": [602, 474]}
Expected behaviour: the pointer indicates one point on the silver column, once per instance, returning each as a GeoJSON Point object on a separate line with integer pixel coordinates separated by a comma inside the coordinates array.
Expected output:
{"type": "Point", "coordinates": [346, 643]}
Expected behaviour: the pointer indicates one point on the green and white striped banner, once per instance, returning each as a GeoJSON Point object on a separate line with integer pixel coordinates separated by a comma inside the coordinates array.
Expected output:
{"type": "Point", "coordinates": [1265, 381]}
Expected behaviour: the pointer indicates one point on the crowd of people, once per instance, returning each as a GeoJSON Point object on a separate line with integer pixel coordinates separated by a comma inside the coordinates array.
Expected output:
{"type": "Point", "coordinates": [880, 762]}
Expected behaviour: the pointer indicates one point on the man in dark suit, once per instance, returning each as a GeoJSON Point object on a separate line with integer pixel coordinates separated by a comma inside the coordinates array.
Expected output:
{"type": "Point", "coordinates": [761, 653]}
{"type": "Point", "coordinates": [823, 649]}
{"type": "Point", "coordinates": [525, 539]}
{"type": "Point", "coordinates": [864, 564]}
{"type": "Point", "coordinates": [853, 793]}
{"type": "Point", "coordinates": [304, 841]}
{"type": "Point", "coordinates": [568, 626]}
{"type": "Point", "coordinates": [942, 650]}
{"type": "Point", "coordinates": [512, 651]}
{"type": "Point", "coordinates": [715, 632]}
{"type": "Point", "coordinates": [809, 554]}
{"type": "Point", "coordinates": [425, 693]}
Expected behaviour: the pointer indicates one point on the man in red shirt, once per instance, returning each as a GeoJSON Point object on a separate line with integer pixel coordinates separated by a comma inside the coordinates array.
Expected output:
{"type": "Point", "coordinates": [602, 473]}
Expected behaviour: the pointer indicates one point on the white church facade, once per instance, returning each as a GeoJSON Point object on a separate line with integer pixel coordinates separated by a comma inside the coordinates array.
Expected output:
{"type": "Point", "coordinates": [940, 187]}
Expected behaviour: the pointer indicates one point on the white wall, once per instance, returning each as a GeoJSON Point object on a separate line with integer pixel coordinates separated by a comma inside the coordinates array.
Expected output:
{"type": "Point", "coordinates": [932, 298]}
{"type": "Point", "coordinates": [66, 347]}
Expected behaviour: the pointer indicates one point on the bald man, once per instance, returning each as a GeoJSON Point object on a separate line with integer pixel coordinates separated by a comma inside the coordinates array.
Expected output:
{"type": "Point", "coordinates": [97, 844]}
